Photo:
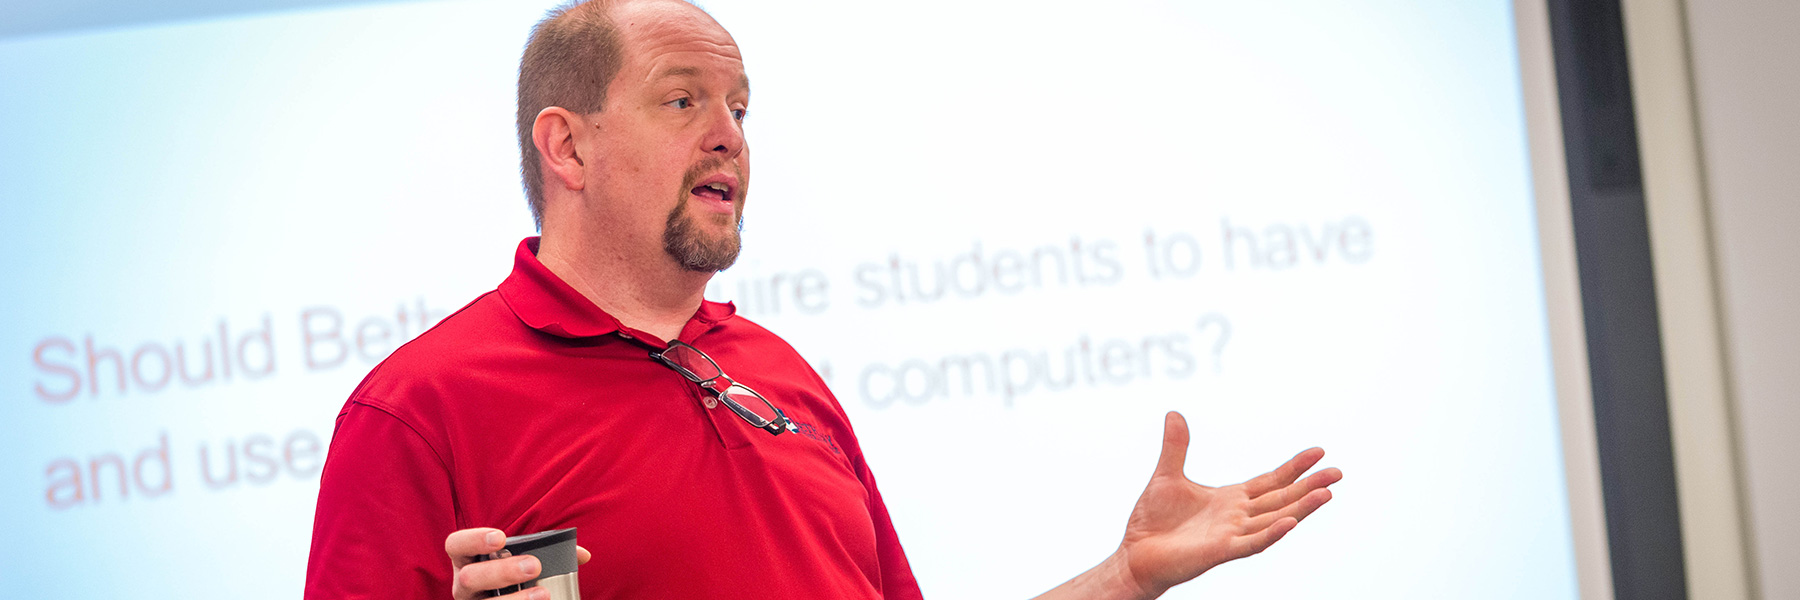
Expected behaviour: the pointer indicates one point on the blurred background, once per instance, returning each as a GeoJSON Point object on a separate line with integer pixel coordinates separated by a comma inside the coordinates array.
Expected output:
{"type": "Point", "coordinates": [1523, 269]}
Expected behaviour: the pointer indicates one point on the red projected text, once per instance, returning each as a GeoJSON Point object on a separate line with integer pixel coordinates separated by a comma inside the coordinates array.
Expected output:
{"type": "Point", "coordinates": [91, 365]}
{"type": "Point", "coordinates": [155, 470]}
{"type": "Point", "coordinates": [71, 369]}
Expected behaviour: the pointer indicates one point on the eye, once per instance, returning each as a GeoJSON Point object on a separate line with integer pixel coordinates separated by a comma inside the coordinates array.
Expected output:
{"type": "Point", "coordinates": [680, 102]}
{"type": "Point", "coordinates": [739, 114]}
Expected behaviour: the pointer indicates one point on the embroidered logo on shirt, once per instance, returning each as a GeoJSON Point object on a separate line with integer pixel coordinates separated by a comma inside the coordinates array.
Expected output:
{"type": "Point", "coordinates": [816, 434]}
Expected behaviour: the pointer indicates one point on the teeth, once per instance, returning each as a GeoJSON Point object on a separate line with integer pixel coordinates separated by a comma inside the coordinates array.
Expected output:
{"type": "Point", "coordinates": [718, 186]}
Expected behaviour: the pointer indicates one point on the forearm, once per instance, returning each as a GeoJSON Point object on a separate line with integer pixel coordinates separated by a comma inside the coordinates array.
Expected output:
{"type": "Point", "coordinates": [1109, 580]}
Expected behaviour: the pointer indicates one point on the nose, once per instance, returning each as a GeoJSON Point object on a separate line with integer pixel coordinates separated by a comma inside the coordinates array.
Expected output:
{"type": "Point", "coordinates": [724, 134]}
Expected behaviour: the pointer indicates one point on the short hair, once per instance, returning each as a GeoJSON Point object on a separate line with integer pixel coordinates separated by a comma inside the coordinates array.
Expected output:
{"type": "Point", "coordinates": [573, 54]}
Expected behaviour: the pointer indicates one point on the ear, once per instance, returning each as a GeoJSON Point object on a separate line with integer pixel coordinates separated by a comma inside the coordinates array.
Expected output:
{"type": "Point", "coordinates": [554, 135]}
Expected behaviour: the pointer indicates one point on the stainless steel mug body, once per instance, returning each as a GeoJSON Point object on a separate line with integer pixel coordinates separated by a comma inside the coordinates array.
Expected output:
{"type": "Point", "coordinates": [562, 587]}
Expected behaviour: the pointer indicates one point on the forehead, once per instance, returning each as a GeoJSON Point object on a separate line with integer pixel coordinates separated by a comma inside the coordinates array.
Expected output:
{"type": "Point", "coordinates": [668, 38]}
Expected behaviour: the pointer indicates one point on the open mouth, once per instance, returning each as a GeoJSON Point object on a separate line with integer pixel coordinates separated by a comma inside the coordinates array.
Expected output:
{"type": "Point", "coordinates": [713, 191]}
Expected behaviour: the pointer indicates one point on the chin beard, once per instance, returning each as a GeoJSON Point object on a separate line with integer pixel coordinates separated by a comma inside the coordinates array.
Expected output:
{"type": "Point", "coordinates": [684, 242]}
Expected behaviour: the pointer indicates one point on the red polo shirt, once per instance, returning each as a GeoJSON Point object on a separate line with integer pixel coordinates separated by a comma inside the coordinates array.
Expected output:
{"type": "Point", "coordinates": [531, 409]}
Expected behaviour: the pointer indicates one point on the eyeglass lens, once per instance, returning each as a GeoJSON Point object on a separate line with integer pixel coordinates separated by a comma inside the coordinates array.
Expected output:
{"type": "Point", "coordinates": [751, 403]}
{"type": "Point", "coordinates": [699, 368]}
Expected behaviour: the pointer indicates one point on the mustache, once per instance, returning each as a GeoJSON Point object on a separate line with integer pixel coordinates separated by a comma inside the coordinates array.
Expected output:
{"type": "Point", "coordinates": [710, 165]}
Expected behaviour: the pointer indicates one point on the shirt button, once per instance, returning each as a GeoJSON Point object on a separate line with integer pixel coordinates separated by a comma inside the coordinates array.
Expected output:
{"type": "Point", "coordinates": [625, 335]}
{"type": "Point", "coordinates": [711, 402]}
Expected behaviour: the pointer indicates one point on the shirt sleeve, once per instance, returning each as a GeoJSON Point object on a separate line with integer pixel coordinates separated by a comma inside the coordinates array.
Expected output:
{"type": "Point", "coordinates": [385, 507]}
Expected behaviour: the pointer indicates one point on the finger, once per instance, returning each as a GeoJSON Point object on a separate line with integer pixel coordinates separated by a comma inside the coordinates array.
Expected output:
{"type": "Point", "coordinates": [1297, 511]}
{"type": "Point", "coordinates": [1284, 474]}
{"type": "Point", "coordinates": [582, 556]}
{"type": "Point", "coordinates": [463, 545]}
{"type": "Point", "coordinates": [1257, 542]}
{"type": "Point", "coordinates": [1175, 445]}
{"type": "Point", "coordinates": [536, 593]}
{"type": "Point", "coordinates": [496, 574]}
{"type": "Point", "coordinates": [1279, 498]}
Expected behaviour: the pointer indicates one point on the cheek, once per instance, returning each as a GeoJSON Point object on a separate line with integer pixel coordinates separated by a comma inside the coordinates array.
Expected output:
{"type": "Point", "coordinates": [629, 170]}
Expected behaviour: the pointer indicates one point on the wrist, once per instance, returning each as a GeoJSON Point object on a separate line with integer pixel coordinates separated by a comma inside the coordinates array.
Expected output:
{"type": "Point", "coordinates": [1115, 571]}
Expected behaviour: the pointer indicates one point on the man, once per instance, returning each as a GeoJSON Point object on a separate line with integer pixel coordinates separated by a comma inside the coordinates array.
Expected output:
{"type": "Point", "coordinates": [594, 388]}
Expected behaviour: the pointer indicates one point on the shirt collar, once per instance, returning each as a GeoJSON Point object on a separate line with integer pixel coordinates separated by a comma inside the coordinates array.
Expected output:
{"type": "Point", "coordinates": [546, 303]}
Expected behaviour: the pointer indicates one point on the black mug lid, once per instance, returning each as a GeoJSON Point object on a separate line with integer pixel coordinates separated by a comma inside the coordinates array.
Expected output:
{"type": "Point", "coordinates": [521, 544]}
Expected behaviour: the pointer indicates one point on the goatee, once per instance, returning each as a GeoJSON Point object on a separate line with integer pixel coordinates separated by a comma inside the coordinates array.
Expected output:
{"type": "Point", "coordinates": [684, 241]}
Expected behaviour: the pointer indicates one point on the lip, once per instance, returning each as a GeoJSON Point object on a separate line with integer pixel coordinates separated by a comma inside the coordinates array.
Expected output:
{"type": "Point", "coordinates": [731, 198]}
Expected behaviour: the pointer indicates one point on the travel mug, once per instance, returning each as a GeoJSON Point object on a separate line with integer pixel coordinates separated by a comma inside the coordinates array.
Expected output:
{"type": "Point", "coordinates": [555, 550]}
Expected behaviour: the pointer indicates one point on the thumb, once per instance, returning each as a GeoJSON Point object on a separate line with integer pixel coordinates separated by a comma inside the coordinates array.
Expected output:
{"type": "Point", "coordinates": [1175, 445]}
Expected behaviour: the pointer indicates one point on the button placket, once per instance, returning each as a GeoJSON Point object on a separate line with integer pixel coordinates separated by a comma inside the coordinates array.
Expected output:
{"type": "Point", "coordinates": [726, 425]}
{"type": "Point", "coordinates": [733, 432]}
{"type": "Point", "coordinates": [700, 396]}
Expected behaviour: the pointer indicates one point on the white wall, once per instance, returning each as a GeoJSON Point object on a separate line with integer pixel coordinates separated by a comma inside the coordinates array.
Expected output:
{"type": "Point", "coordinates": [1746, 88]}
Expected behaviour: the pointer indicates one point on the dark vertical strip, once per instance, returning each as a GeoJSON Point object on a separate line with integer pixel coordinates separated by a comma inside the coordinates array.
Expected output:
{"type": "Point", "coordinates": [1618, 298]}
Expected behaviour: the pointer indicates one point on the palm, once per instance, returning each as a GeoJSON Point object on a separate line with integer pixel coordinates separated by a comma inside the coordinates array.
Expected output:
{"type": "Point", "coordinates": [1180, 529]}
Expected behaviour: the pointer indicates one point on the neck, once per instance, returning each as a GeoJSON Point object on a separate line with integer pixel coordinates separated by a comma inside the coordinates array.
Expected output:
{"type": "Point", "coordinates": [646, 291]}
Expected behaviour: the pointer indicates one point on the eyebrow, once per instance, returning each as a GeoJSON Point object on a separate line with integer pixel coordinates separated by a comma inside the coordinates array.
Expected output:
{"type": "Point", "coordinates": [693, 72]}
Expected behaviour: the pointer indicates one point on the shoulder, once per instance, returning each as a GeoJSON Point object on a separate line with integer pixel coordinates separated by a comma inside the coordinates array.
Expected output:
{"type": "Point", "coordinates": [741, 330]}
{"type": "Point", "coordinates": [439, 361]}
{"type": "Point", "coordinates": [760, 346]}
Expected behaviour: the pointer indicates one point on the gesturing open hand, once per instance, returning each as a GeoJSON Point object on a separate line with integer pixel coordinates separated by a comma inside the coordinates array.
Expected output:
{"type": "Point", "coordinates": [1180, 529]}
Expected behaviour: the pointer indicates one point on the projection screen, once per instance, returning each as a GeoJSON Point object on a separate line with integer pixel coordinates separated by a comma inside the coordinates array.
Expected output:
{"type": "Point", "coordinates": [1009, 235]}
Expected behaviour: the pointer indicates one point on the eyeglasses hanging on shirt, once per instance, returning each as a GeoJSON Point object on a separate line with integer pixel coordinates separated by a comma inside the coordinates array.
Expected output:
{"type": "Point", "coordinates": [699, 368]}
